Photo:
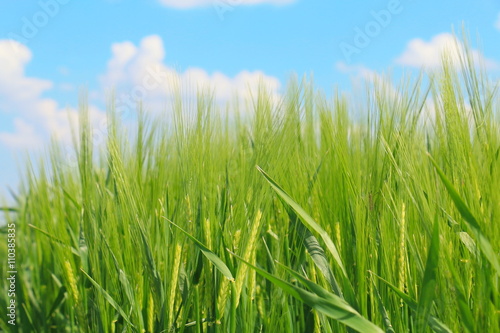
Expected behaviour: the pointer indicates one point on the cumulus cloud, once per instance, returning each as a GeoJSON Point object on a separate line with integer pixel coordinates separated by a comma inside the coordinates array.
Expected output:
{"type": "Point", "coordinates": [21, 97]}
{"type": "Point", "coordinates": [135, 72]}
{"type": "Point", "coordinates": [24, 135]}
{"type": "Point", "coordinates": [428, 54]}
{"type": "Point", "coordinates": [139, 73]}
{"type": "Point", "coordinates": [15, 87]}
{"type": "Point", "coordinates": [187, 4]}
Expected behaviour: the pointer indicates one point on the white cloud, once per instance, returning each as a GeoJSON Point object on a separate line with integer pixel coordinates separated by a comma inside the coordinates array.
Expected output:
{"type": "Point", "coordinates": [15, 87]}
{"type": "Point", "coordinates": [497, 22]}
{"type": "Point", "coordinates": [187, 4]}
{"type": "Point", "coordinates": [428, 54]}
{"type": "Point", "coordinates": [24, 135]}
{"type": "Point", "coordinates": [136, 72]}
{"type": "Point", "coordinates": [139, 73]}
{"type": "Point", "coordinates": [36, 117]}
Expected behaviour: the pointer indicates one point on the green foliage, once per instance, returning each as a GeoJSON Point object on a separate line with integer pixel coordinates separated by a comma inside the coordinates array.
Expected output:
{"type": "Point", "coordinates": [368, 232]}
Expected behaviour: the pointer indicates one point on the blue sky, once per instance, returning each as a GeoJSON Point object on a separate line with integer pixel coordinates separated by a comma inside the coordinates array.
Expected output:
{"type": "Point", "coordinates": [50, 49]}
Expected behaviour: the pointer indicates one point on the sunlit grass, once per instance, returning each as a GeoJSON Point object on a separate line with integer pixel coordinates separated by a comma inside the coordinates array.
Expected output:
{"type": "Point", "coordinates": [299, 217]}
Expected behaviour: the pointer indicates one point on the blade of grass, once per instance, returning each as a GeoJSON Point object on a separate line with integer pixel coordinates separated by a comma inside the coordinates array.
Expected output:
{"type": "Point", "coordinates": [312, 245]}
{"type": "Point", "coordinates": [428, 288]}
{"type": "Point", "coordinates": [435, 324]}
{"type": "Point", "coordinates": [466, 213]}
{"type": "Point", "coordinates": [61, 297]}
{"type": "Point", "coordinates": [122, 277]}
{"type": "Point", "coordinates": [216, 261]}
{"type": "Point", "coordinates": [306, 218]}
{"type": "Point", "coordinates": [387, 321]}
{"type": "Point", "coordinates": [108, 298]}
{"type": "Point", "coordinates": [151, 266]}
{"type": "Point", "coordinates": [325, 302]}
{"type": "Point", "coordinates": [467, 318]}
{"type": "Point", "coordinates": [54, 239]}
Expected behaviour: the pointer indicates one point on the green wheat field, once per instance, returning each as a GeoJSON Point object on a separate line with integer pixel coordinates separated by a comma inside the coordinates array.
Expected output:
{"type": "Point", "coordinates": [376, 211]}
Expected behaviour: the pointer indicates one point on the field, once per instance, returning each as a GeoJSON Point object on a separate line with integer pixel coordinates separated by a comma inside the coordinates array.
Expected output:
{"type": "Point", "coordinates": [372, 212]}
